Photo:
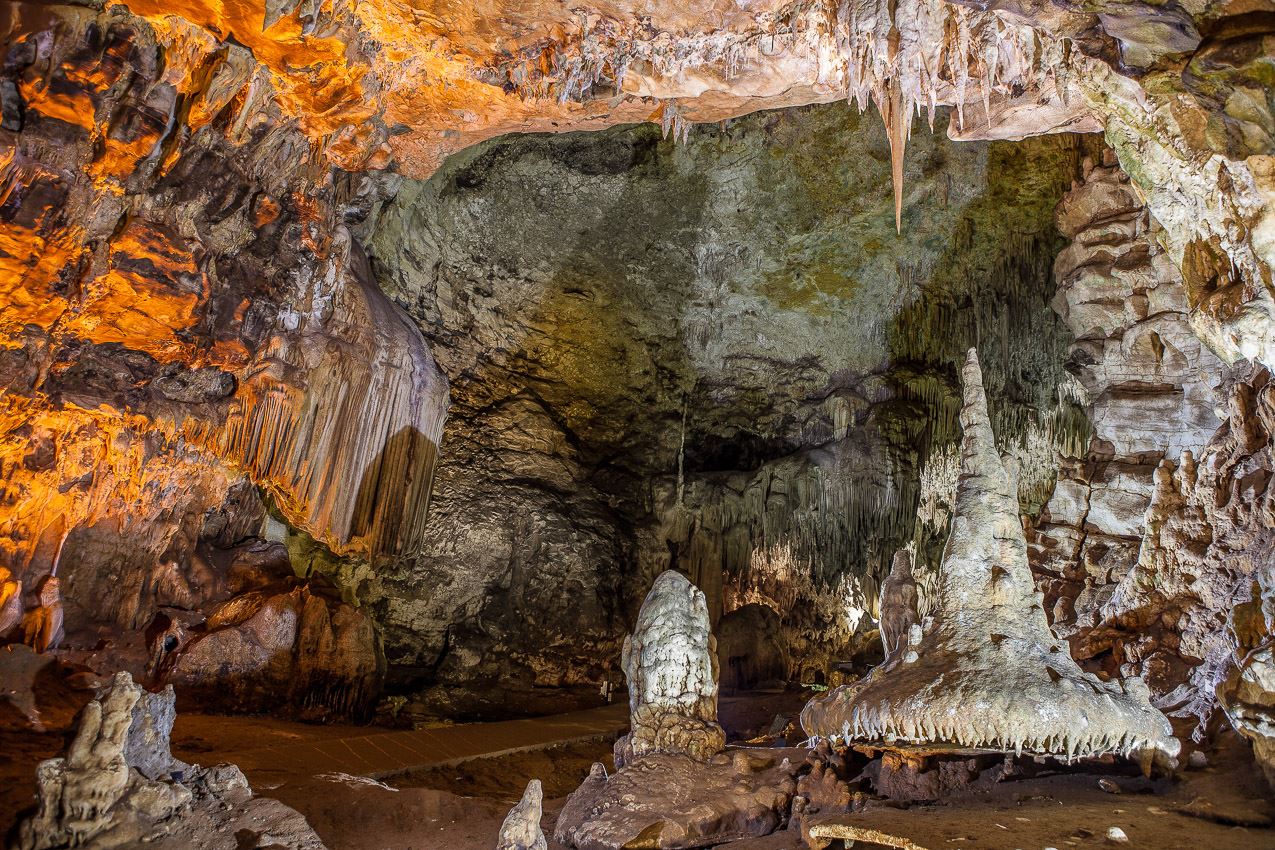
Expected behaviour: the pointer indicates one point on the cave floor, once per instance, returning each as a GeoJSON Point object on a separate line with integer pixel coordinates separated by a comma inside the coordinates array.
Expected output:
{"type": "Point", "coordinates": [273, 751]}
{"type": "Point", "coordinates": [456, 795]}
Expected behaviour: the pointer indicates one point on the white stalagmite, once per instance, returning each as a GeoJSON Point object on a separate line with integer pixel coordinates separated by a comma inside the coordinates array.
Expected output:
{"type": "Point", "coordinates": [990, 674]}
{"type": "Point", "coordinates": [670, 662]}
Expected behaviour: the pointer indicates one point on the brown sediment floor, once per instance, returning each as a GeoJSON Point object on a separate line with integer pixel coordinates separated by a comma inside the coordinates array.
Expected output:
{"type": "Point", "coordinates": [460, 806]}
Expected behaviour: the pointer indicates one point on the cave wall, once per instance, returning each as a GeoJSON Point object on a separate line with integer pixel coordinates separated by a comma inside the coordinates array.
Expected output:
{"type": "Point", "coordinates": [1153, 552]}
{"type": "Point", "coordinates": [716, 355]}
{"type": "Point", "coordinates": [183, 314]}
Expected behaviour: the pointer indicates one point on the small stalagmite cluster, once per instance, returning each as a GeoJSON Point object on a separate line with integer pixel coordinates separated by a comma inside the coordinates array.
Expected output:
{"type": "Point", "coordinates": [119, 786]}
{"type": "Point", "coordinates": [989, 674]}
{"type": "Point", "coordinates": [673, 785]}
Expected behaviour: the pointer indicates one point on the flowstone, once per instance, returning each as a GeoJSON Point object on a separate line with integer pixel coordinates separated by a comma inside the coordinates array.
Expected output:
{"type": "Point", "coordinates": [119, 786]}
{"type": "Point", "coordinates": [672, 802]}
{"type": "Point", "coordinates": [670, 661]}
{"type": "Point", "coordinates": [521, 827]}
{"type": "Point", "coordinates": [989, 675]}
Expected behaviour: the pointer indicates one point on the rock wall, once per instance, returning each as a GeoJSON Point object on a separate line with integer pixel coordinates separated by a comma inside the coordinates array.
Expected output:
{"type": "Point", "coordinates": [1158, 537]}
{"type": "Point", "coordinates": [704, 355]}
{"type": "Point", "coordinates": [184, 316]}
{"type": "Point", "coordinates": [1151, 388]}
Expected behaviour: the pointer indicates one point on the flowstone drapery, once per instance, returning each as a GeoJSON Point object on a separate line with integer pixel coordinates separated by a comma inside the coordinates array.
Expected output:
{"type": "Point", "coordinates": [989, 675]}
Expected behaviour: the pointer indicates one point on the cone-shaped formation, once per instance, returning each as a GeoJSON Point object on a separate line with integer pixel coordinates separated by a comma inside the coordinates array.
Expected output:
{"type": "Point", "coordinates": [899, 595]}
{"type": "Point", "coordinates": [521, 827]}
{"type": "Point", "coordinates": [989, 674]}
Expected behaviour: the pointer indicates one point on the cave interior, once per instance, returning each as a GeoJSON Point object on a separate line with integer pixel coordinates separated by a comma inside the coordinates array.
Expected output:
{"type": "Point", "coordinates": [440, 426]}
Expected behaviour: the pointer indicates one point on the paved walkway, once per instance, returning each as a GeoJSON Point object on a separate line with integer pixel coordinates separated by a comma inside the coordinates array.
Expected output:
{"type": "Point", "coordinates": [381, 753]}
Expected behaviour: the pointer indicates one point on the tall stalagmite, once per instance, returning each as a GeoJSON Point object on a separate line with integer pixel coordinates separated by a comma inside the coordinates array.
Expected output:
{"type": "Point", "coordinates": [989, 673]}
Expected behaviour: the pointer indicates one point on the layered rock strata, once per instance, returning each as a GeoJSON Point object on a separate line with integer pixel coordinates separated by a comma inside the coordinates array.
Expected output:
{"type": "Point", "coordinates": [1150, 386]}
{"type": "Point", "coordinates": [1206, 553]}
{"type": "Point", "coordinates": [989, 674]}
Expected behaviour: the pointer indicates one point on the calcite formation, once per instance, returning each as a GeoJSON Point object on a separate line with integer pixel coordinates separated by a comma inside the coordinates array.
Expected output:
{"type": "Point", "coordinates": [898, 607]}
{"type": "Point", "coordinates": [1206, 551]}
{"type": "Point", "coordinates": [670, 662]}
{"type": "Point", "coordinates": [520, 829]}
{"type": "Point", "coordinates": [119, 786]}
{"type": "Point", "coordinates": [989, 675]}
{"type": "Point", "coordinates": [673, 802]}
{"type": "Point", "coordinates": [187, 318]}
{"type": "Point", "coordinates": [1150, 391]}
{"type": "Point", "coordinates": [1247, 695]}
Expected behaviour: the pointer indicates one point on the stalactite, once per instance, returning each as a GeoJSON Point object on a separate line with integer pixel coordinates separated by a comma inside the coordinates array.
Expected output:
{"type": "Point", "coordinates": [898, 55]}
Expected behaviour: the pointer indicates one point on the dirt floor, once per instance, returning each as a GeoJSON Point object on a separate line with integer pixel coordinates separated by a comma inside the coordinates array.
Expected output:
{"type": "Point", "coordinates": [1222, 805]}
{"type": "Point", "coordinates": [560, 770]}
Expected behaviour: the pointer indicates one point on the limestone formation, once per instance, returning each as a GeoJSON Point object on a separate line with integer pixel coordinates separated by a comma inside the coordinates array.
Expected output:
{"type": "Point", "coordinates": [10, 603]}
{"type": "Point", "coordinates": [1150, 389]}
{"type": "Point", "coordinates": [1247, 695]}
{"type": "Point", "coordinates": [42, 625]}
{"type": "Point", "coordinates": [756, 339]}
{"type": "Point", "coordinates": [670, 662]}
{"type": "Point", "coordinates": [1206, 552]}
{"type": "Point", "coordinates": [719, 348]}
{"type": "Point", "coordinates": [521, 827]}
{"type": "Point", "coordinates": [674, 802]}
{"type": "Point", "coordinates": [989, 674]}
{"type": "Point", "coordinates": [293, 650]}
{"type": "Point", "coordinates": [899, 597]}
{"type": "Point", "coordinates": [119, 786]}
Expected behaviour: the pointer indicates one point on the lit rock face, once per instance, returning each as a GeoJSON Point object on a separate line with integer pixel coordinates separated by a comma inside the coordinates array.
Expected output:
{"type": "Point", "coordinates": [1150, 388]}
{"type": "Point", "coordinates": [1207, 549]}
{"type": "Point", "coordinates": [194, 287]}
{"type": "Point", "coordinates": [374, 82]}
{"type": "Point", "coordinates": [521, 827]}
{"type": "Point", "coordinates": [119, 786]}
{"type": "Point", "coordinates": [989, 673]}
{"type": "Point", "coordinates": [185, 320]}
{"type": "Point", "coordinates": [670, 662]}
{"type": "Point", "coordinates": [292, 650]}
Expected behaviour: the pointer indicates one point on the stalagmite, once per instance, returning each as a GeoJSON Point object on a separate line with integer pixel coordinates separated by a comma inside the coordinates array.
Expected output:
{"type": "Point", "coordinates": [990, 663]}
{"type": "Point", "coordinates": [119, 786]}
{"type": "Point", "coordinates": [899, 595]}
{"type": "Point", "coordinates": [521, 827]}
{"type": "Point", "coordinates": [42, 625]}
{"type": "Point", "coordinates": [670, 661]}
